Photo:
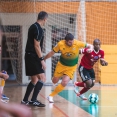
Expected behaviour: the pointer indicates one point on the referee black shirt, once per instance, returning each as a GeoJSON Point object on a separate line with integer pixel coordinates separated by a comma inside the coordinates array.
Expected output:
{"type": "Point", "coordinates": [35, 32]}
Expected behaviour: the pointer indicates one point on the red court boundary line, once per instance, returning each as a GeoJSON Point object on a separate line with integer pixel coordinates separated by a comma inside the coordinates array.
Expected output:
{"type": "Point", "coordinates": [57, 107]}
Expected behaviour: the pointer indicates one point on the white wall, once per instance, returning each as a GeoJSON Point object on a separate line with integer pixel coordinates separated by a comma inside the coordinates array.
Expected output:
{"type": "Point", "coordinates": [23, 20]}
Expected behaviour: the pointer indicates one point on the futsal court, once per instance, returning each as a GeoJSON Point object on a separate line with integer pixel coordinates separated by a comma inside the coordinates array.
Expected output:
{"type": "Point", "coordinates": [67, 104]}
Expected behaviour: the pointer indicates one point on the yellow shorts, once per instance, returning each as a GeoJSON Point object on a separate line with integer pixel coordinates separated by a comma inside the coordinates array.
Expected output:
{"type": "Point", "coordinates": [61, 70]}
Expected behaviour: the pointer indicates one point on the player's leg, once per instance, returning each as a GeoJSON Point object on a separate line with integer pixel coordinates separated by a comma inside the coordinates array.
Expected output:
{"type": "Point", "coordinates": [54, 82]}
{"type": "Point", "coordinates": [92, 75]}
{"type": "Point", "coordinates": [91, 80]}
{"type": "Point", "coordinates": [3, 96]}
{"type": "Point", "coordinates": [86, 88]}
{"type": "Point", "coordinates": [67, 73]}
{"type": "Point", "coordinates": [59, 88]}
{"type": "Point", "coordinates": [88, 77]}
{"type": "Point", "coordinates": [85, 76]}
{"type": "Point", "coordinates": [89, 83]}
{"type": "Point", "coordinates": [57, 75]}
{"type": "Point", "coordinates": [54, 92]}
{"type": "Point", "coordinates": [5, 76]}
{"type": "Point", "coordinates": [79, 84]}
{"type": "Point", "coordinates": [82, 72]}
{"type": "Point", "coordinates": [2, 84]}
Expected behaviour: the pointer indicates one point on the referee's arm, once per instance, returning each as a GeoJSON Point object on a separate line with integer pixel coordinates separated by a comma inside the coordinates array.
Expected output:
{"type": "Point", "coordinates": [37, 48]}
{"type": "Point", "coordinates": [39, 53]}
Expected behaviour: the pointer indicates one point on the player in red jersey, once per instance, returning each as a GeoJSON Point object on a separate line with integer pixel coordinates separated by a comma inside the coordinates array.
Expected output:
{"type": "Point", "coordinates": [86, 67]}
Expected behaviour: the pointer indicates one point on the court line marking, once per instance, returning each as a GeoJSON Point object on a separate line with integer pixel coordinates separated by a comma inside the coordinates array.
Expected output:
{"type": "Point", "coordinates": [56, 107]}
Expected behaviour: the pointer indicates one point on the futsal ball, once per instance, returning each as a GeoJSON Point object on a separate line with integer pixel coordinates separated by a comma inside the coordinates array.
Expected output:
{"type": "Point", "coordinates": [93, 98]}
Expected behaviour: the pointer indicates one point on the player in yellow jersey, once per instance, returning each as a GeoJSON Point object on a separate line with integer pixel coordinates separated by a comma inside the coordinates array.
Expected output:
{"type": "Point", "coordinates": [3, 76]}
{"type": "Point", "coordinates": [66, 66]}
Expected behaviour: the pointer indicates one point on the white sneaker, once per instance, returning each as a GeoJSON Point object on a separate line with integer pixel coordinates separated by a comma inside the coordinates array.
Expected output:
{"type": "Point", "coordinates": [4, 101]}
{"type": "Point", "coordinates": [50, 99]}
{"type": "Point", "coordinates": [82, 97]}
{"type": "Point", "coordinates": [76, 88]}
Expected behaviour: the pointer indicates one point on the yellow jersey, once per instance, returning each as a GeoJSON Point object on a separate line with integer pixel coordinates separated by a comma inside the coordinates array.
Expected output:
{"type": "Point", "coordinates": [69, 54]}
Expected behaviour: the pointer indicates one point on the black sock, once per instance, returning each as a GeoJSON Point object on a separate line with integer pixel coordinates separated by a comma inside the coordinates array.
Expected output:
{"type": "Point", "coordinates": [37, 88]}
{"type": "Point", "coordinates": [28, 91]}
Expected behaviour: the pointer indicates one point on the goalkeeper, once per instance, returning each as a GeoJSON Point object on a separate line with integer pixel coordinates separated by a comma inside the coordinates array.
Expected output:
{"type": "Point", "coordinates": [65, 68]}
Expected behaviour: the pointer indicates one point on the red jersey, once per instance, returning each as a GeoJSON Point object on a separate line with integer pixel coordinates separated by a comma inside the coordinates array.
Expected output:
{"type": "Point", "coordinates": [89, 59]}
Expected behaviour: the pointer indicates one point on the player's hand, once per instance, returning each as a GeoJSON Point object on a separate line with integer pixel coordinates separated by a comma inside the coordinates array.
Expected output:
{"type": "Point", "coordinates": [3, 71]}
{"type": "Point", "coordinates": [4, 75]}
{"type": "Point", "coordinates": [43, 64]}
{"type": "Point", "coordinates": [89, 50]}
{"type": "Point", "coordinates": [103, 63]}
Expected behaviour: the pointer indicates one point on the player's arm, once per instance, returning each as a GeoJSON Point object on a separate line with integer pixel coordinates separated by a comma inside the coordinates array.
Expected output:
{"type": "Point", "coordinates": [102, 60]}
{"type": "Point", "coordinates": [50, 54]}
{"type": "Point", "coordinates": [85, 51]}
{"type": "Point", "coordinates": [90, 48]}
{"type": "Point", "coordinates": [5, 76]}
{"type": "Point", "coordinates": [85, 45]}
{"type": "Point", "coordinates": [81, 51]}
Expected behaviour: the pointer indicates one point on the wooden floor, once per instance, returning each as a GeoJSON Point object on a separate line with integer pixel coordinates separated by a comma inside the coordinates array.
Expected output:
{"type": "Point", "coordinates": [67, 104]}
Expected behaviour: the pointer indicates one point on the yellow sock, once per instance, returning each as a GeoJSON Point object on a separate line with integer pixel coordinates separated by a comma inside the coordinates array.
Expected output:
{"type": "Point", "coordinates": [58, 89]}
{"type": "Point", "coordinates": [2, 82]}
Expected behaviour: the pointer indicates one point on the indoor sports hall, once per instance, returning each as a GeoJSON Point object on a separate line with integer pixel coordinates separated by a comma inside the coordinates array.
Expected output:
{"type": "Point", "coordinates": [86, 20]}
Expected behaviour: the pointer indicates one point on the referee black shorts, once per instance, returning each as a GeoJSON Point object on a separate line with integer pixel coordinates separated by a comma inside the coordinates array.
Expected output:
{"type": "Point", "coordinates": [33, 65]}
{"type": "Point", "coordinates": [86, 74]}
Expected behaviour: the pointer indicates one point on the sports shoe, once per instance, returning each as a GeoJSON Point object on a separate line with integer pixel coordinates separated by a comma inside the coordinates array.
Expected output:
{"type": "Point", "coordinates": [36, 103]}
{"type": "Point", "coordinates": [4, 97]}
{"type": "Point", "coordinates": [82, 96]}
{"type": "Point", "coordinates": [76, 90]}
{"type": "Point", "coordinates": [25, 102]}
{"type": "Point", "coordinates": [4, 101]}
{"type": "Point", "coordinates": [50, 99]}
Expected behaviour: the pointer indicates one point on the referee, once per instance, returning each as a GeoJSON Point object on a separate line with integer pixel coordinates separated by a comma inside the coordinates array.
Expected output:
{"type": "Point", "coordinates": [34, 63]}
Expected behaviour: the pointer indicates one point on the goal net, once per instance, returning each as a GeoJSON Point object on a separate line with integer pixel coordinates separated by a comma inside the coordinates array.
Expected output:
{"type": "Point", "coordinates": [86, 20]}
